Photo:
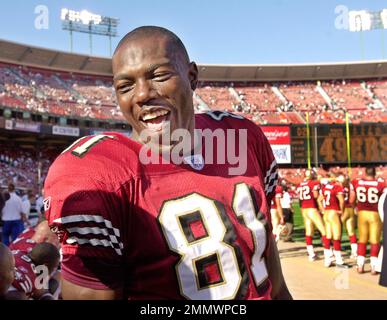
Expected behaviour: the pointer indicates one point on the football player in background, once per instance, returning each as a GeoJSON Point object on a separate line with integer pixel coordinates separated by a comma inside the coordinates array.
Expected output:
{"type": "Point", "coordinates": [382, 259]}
{"type": "Point", "coordinates": [7, 269]}
{"type": "Point", "coordinates": [308, 192]}
{"type": "Point", "coordinates": [276, 212]}
{"type": "Point", "coordinates": [365, 192]}
{"type": "Point", "coordinates": [123, 222]}
{"type": "Point", "coordinates": [31, 236]}
{"type": "Point", "coordinates": [331, 199]}
{"type": "Point", "coordinates": [348, 218]}
{"type": "Point", "coordinates": [33, 273]}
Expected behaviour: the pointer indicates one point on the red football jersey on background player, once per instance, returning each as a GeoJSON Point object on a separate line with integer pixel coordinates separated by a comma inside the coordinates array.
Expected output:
{"type": "Point", "coordinates": [143, 223]}
{"type": "Point", "coordinates": [24, 242]}
{"type": "Point", "coordinates": [330, 192]}
{"type": "Point", "coordinates": [368, 193]}
{"type": "Point", "coordinates": [293, 194]}
{"type": "Point", "coordinates": [24, 274]}
{"type": "Point", "coordinates": [278, 194]}
{"type": "Point", "coordinates": [305, 193]}
{"type": "Point", "coordinates": [346, 197]}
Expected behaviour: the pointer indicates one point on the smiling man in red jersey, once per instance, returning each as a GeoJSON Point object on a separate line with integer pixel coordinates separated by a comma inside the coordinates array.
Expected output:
{"type": "Point", "coordinates": [123, 223]}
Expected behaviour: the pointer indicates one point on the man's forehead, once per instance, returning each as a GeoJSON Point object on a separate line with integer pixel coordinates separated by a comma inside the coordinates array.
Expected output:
{"type": "Point", "coordinates": [137, 50]}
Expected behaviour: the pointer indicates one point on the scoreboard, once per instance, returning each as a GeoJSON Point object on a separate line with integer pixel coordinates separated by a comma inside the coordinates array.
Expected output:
{"type": "Point", "coordinates": [329, 144]}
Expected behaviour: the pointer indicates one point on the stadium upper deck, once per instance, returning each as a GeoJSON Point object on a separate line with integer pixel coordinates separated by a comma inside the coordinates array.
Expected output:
{"type": "Point", "coordinates": [76, 86]}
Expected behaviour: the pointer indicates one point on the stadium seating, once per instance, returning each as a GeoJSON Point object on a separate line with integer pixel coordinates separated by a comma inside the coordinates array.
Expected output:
{"type": "Point", "coordinates": [379, 88]}
{"type": "Point", "coordinates": [87, 96]}
{"type": "Point", "coordinates": [216, 96]}
{"type": "Point", "coordinates": [347, 95]}
{"type": "Point", "coordinates": [20, 166]}
{"type": "Point", "coordinates": [303, 96]}
{"type": "Point", "coordinates": [258, 95]}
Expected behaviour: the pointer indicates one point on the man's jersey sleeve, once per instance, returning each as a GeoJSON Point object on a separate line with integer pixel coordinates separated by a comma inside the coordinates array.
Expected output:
{"type": "Point", "coordinates": [382, 186]}
{"type": "Point", "coordinates": [88, 216]}
{"type": "Point", "coordinates": [278, 191]}
{"type": "Point", "coordinates": [339, 189]}
{"type": "Point", "coordinates": [316, 186]}
{"type": "Point", "coordinates": [267, 162]}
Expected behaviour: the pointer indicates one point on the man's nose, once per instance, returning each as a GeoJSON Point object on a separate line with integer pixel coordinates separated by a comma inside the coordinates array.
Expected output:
{"type": "Point", "coordinates": [144, 91]}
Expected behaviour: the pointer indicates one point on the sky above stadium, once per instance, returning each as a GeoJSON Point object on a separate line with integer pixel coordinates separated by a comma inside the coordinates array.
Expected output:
{"type": "Point", "coordinates": [214, 31]}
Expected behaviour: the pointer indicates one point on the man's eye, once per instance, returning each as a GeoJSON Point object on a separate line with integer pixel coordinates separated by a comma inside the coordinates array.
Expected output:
{"type": "Point", "coordinates": [162, 76]}
{"type": "Point", "coordinates": [124, 88]}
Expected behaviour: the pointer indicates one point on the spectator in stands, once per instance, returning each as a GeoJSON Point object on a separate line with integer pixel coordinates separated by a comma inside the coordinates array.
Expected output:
{"type": "Point", "coordinates": [12, 216]}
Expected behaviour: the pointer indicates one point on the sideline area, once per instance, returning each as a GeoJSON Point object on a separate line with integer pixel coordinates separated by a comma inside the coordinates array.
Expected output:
{"type": "Point", "coordinates": [312, 281]}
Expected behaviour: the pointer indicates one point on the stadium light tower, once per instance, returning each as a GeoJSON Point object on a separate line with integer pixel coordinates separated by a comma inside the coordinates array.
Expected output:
{"type": "Point", "coordinates": [90, 23]}
{"type": "Point", "coordinates": [360, 21]}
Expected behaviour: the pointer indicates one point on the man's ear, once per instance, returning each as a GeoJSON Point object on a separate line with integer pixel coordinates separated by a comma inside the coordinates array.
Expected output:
{"type": "Point", "coordinates": [193, 74]}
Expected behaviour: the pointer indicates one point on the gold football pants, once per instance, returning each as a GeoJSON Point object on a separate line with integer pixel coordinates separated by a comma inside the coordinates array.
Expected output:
{"type": "Point", "coordinates": [332, 224]}
{"type": "Point", "coordinates": [370, 227]}
{"type": "Point", "coordinates": [275, 219]}
{"type": "Point", "coordinates": [349, 220]}
{"type": "Point", "coordinates": [312, 219]}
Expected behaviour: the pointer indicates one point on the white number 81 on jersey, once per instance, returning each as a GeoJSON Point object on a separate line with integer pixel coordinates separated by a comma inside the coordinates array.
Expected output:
{"type": "Point", "coordinates": [215, 246]}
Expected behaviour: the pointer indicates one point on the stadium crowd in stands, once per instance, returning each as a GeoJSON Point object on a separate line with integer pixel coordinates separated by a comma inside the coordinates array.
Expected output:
{"type": "Point", "coordinates": [70, 94]}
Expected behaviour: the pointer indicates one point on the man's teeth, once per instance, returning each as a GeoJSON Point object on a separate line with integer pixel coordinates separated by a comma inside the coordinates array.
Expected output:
{"type": "Point", "coordinates": [154, 115]}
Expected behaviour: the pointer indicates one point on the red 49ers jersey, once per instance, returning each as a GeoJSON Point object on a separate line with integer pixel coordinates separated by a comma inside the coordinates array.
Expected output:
{"type": "Point", "coordinates": [367, 193]}
{"type": "Point", "coordinates": [305, 193]}
{"type": "Point", "coordinates": [24, 274]}
{"type": "Point", "coordinates": [346, 197]}
{"type": "Point", "coordinates": [330, 192]}
{"type": "Point", "coordinates": [278, 194]}
{"type": "Point", "coordinates": [165, 231]}
{"type": "Point", "coordinates": [23, 242]}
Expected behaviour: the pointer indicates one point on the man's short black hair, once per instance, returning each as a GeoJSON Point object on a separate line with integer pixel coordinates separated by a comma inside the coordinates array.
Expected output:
{"type": "Point", "coordinates": [370, 171]}
{"type": "Point", "coordinates": [11, 187]}
{"type": "Point", "coordinates": [45, 253]}
{"type": "Point", "coordinates": [147, 31]}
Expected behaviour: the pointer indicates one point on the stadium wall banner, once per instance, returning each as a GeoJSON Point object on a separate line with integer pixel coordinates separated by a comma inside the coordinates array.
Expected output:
{"type": "Point", "coordinates": [26, 126]}
{"type": "Point", "coordinates": [65, 131]}
{"type": "Point", "coordinates": [8, 125]}
{"type": "Point", "coordinates": [368, 143]}
{"type": "Point", "coordinates": [279, 139]}
{"type": "Point", "coordinates": [11, 124]}
{"type": "Point", "coordinates": [97, 131]}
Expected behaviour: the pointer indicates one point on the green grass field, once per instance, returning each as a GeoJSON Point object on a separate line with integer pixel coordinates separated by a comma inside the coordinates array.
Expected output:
{"type": "Point", "coordinates": [299, 230]}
